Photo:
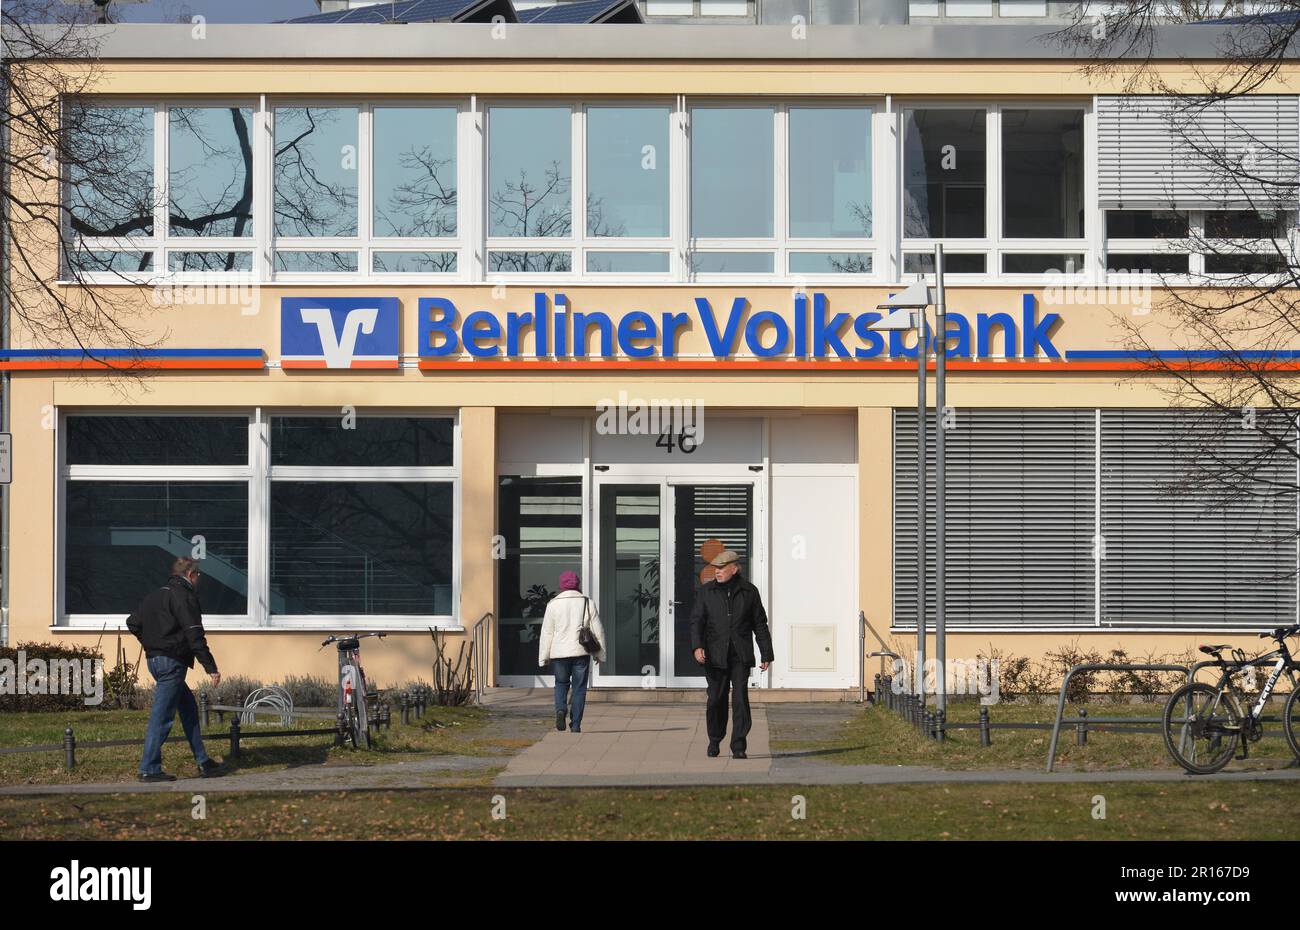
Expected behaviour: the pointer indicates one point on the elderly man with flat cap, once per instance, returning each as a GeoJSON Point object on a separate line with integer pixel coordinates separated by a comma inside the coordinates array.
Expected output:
{"type": "Point", "coordinates": [727, 617]}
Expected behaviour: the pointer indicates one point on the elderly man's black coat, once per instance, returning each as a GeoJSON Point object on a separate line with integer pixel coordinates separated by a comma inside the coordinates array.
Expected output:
{"type": "Point", "coordinates": [730, 612]}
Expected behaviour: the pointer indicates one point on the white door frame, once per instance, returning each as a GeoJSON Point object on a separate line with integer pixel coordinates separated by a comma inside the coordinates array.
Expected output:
{"type": "Point", "coordinates": [756, 571]}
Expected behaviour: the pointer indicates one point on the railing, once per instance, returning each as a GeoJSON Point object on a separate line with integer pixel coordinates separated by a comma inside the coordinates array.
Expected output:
{"type": "Point", "coordinates": [863, 655]}
{"type": "Point", "coordinates": [481, 638]}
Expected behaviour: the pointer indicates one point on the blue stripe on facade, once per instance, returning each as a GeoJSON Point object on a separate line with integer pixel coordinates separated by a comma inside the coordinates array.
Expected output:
{"type": "Point", "coordinates": [130, 353]}
{"type": "Point", "coordinates": [1121, 354]}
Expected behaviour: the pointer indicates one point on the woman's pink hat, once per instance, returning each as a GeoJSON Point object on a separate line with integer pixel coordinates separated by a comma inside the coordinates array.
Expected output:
{"type": "Point", "coordinates": [569, 581]}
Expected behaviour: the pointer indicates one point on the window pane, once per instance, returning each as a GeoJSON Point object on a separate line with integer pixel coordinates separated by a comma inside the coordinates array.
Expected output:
{"type": "Point", "coordinates": [627, 171]}
{"type": "Point", "coordinates": [1146, 224]}
{"type": "Point", "coordinates": [551, 262]}
{"type": "Point", "coordinates": [830, 263]}
{"type": "Point", "coordinates": [367, 441]}
{"type": "Point", "coordinates": [830, 172]}
{"type": "Point", "coordinates": [117, 262]}
{"type": "Point", "coordinates": [1042, 174]}
{"type": "Point", "coordinates": [919, 8]}
{"type": "Point", "coordinates": [541, 522]}
{"type": "Point", "coordinates": [944, 166]}
{"type": "Point", "coordinates": [322, 262]}
{"type": "Point", "coordinates": [732, 262]}
{"type": "Point", "coordinates": [628, 262]}
{"type": "Point", "coordinates": [1070, 263]}
{"type": "Point", "coordinates": [731, 172]}
{"type": "Point", "coordinates": [123, 535]}
{"type": "Point", "coordinates": [969, 7]}
{"type": "Point", "coordinates": [415, 171]}
{"type": "Point", "coordinates": [316, 171]}
{"type": "Point", "coordinates": [361, 548]}
{"type": "Point", "coordinates": [1245, 264]}
{"type": "Point", "coordinates": [179, 440]}
{"type": "Point", "coordinates": [1244, 224]}
{"type": "Point", "coordinates": [1022, 7]}
{"type": "Point", "coordinates": [210, 171]}
{"type": "Point", "coordinates": [1148, 263]}
{"type": "Point", "coordinates": [210, 261]}
{"type": "Point", "coordinates": [724, 7]}
{"type": "Point", "coordinates": [529, 171]}
{"type": "Point", "coordinates": [670, 7]}
{"type": "Point", "coordinates": [110, 171]}
{"type": "Point", "coordinates": [414, 262]}
{"type": "Point", "coordinates": [953, 263]}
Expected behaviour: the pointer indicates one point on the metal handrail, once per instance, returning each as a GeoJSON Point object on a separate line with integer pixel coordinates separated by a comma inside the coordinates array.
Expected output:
{"type": "Point", "coordinates": [1100, 667]}
{"type": "Point", "coordinates": [863, 655]}
{"type": "Point", "coordinates": [480, 635]}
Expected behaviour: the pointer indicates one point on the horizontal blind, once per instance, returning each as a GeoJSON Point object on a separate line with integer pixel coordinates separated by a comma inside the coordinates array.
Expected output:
{"type": "Point", "coordinates": [1155, 151]}
{"type": "Point", "coordinates": [1021, 490]}
{"type": "Point", "coordinates": [1199, 520]}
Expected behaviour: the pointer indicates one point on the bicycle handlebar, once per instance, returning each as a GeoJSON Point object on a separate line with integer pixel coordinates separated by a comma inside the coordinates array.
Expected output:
{"type": "Point", "coordinates": [1281, 633]}
{"type": "Point", "coordinates": [334, 638]}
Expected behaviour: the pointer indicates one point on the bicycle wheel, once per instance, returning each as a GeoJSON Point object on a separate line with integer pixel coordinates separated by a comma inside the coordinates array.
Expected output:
{"type": "Point", "coordinates": [1291, 721]}
{"type": "Point", "coordinates": [360, 721]}
{"type": "Point", "coordinates": [1201, 728]}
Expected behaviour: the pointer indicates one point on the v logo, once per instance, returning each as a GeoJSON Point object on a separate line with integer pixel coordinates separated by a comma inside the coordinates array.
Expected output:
{"type": "Point", "coordinates": [338, 349]}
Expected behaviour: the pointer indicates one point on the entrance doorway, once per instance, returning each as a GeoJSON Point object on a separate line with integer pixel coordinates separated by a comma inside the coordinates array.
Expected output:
{"type": "Point", "coordinates": [653, 539]}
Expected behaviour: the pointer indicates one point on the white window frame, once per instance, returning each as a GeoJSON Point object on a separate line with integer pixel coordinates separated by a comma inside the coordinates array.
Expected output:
{"type": "Point", "coordinates": [1288, 244]}
{"type": "Point", "coordinates": [259, 474]}
{"type": "Point", "coordinates": [994, 245]}
{"type": "Point", "coordinates": [365, 244]}
{"type": "Point", "coordinates": [781, 245]}
{"type": "Point", "coordinates": [147, 473]}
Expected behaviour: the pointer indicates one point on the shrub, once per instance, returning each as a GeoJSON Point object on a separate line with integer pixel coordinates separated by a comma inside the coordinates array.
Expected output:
{"type": "Point", "coordinates": [1065, 658]}
{"type": "Point", "coordinates": [232, 690]}
{"type": "Point", "coordinates": [311, 690]}
{"type": "Point", "coordinates": [46, 653]}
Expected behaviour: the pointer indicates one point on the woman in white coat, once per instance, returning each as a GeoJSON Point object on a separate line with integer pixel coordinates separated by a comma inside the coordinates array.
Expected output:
{"type": "Point", "coordinates": [566, 615]}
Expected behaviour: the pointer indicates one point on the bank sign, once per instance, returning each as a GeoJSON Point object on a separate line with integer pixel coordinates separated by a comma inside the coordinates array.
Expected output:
{"type": "Point", "coordinates": [364, 332]}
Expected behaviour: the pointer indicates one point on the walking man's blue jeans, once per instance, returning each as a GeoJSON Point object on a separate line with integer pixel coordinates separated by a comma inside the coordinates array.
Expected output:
{"type": "Point", "coordinates": [170, 695]}
{"type": "Point", "coordinates": [575, 669]}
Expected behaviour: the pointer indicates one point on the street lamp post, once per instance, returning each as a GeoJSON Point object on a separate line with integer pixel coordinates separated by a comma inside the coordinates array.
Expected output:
{"type": "Point", "coordinates": [907, 311]}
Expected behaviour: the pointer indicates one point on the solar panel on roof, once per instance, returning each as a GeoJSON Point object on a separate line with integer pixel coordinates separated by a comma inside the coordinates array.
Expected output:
{"type": "Point", "coordinates": [409, 11]}
{"type": "Point", "coordinates": [582, 11]}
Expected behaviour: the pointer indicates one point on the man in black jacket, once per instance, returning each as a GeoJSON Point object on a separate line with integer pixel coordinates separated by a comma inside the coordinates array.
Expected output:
{"type": "Point", "coordinates": [169, 624]}
{"type": "Point", "coordinates": [727, 617]}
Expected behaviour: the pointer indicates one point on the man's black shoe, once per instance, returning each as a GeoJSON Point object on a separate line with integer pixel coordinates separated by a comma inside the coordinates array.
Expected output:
{"type": "Point", "coordinates": [739, 755]}
{"type": "Point", "coordinates": [712, 750]}
{"type": "Point", "coordinates": [211, 769]}
{"type": "Point", "coordinates": [157, 776]}
{"type": "Point", "coordinates": [559, 720]}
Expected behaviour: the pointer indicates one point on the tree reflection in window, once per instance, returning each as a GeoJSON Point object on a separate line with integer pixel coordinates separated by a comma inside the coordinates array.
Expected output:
{"type": "Point", "coordinates": [415, 172]}
{"type": "Point", "coordinates": [110, 184]}
{"type": "Point", "coordinates": [315, 171]}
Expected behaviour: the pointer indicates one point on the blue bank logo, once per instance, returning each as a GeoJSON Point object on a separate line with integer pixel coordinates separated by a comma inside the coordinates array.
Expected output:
{"type": "Point", "coordinates": [339, 332]}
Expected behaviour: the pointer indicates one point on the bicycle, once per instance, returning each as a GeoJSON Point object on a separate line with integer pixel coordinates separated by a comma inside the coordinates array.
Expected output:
{"type": "Point", "coordinates": [1213, 719]}
{"type": "Point", "coordinates": [352, 687]}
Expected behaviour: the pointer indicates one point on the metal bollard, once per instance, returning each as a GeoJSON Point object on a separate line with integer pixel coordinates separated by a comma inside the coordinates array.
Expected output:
{"type": "Point", "coordinates": [234, 736]}
{"type": "Point", "coordinates": [986, 732]}
{"type": "Point", "coordinates": [203, 708]}
{"type": "Point", "coordinates": [340, 727]}
{"type": "Point", "coordinates": [1081, 730]}
{"type": "Point", "coordinates": [875, 693]}
{"type": "Point", "coordinates": [940, 718]}
{"type": "Point", "coordinates": [388, 716]}
{"type": "Point", "coordinates": [69, 749]}
{"type": "Point", "coordinates": [406, 709]}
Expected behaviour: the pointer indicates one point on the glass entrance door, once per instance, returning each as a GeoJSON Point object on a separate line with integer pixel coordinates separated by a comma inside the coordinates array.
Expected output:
{"type": "Point", "coordinates": [654, 542]}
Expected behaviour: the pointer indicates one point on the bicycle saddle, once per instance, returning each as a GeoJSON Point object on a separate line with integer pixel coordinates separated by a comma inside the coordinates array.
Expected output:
{"type": "Point", "coordinates": [1211, 650]}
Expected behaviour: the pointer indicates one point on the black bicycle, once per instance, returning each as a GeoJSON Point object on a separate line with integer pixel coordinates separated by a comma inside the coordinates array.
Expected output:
{"type": "Point", "coordinates": [352, 687]}
{"type": "Point", "coordinates": [1203, 739]}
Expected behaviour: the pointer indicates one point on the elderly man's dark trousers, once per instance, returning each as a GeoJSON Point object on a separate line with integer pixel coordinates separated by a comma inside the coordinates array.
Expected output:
{"type": "Point", "coordinates": [735, 677]}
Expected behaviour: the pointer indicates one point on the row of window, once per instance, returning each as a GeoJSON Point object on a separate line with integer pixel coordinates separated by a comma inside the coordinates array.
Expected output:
{"type": "Point", "coordinates": [339, 517]}
{"type": "Point", "coordinates": [641, 190]}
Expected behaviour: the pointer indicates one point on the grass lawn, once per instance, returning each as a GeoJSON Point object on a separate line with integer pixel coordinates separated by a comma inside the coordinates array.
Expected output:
{"type": "Point", "coordinates": [442, 731]}
{"type": "Point", "coordinates": [1183, 811]}
{"type": "Point", "coordinates": [879, 736]}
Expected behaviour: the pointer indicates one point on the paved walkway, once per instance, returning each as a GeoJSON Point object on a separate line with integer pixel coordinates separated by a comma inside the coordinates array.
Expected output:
{"type": "Point", "coordinates": [624, 743]}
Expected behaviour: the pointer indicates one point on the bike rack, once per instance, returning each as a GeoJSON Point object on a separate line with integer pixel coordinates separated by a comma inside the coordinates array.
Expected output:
{"type": "Point", "coordinates": [1099, 667]}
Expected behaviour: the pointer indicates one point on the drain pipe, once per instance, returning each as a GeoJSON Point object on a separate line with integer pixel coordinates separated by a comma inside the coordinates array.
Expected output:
{"type": "Point", "coordinates": [4, 376]}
